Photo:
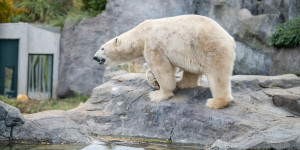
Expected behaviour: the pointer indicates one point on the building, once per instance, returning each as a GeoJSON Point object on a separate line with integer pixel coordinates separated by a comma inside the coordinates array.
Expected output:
{"type": "Point", "coordinates": [29, 60]}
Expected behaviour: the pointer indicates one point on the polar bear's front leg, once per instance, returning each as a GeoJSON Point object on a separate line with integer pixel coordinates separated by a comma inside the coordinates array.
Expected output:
{"type": "Point", "coordinates": [166, 81]}
{"type": "Point", "coordinates": [164, 73]}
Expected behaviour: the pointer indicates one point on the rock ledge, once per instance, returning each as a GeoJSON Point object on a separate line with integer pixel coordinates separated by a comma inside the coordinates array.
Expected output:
{"type": "Point", "coordinates": [121, 107]}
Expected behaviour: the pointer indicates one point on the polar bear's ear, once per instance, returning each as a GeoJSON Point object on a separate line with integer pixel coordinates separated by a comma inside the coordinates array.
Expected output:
{"type": "Point", "coordinates": [117, 41]}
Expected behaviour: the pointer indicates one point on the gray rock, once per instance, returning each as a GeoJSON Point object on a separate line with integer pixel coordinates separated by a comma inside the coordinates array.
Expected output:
{"type": "Point", "coordinates": [201, 7]}
{"type": "Point", "coordinates": [287, 98]}
{"type": "Point", "coordinates": [9, 118]}
{"type": "Point", "coordinates": [77, 50]}
{"type": "Point", "coordinates": [247, 60]}
{"type": "Point", "coordinates": [282, 81]}
{"type": "Point", "coordinates": [285, 60]}
{"type": "Point", "coordinates": [269, 7]}
{"type": "Point", "coordinates": [256, 82]}
{"type": "Point", "coordinates": [121, 107]}
{"type": "Point", "coordinates": [50, 127]}
{"type": "Point", "coordinates": [111, 72]}
{"type": "Point", "coordinates": [251, 23]}
{"type": "Point", "coordinates": [46, 127]}
{"type": "Point", "coordinates": [11, 115]}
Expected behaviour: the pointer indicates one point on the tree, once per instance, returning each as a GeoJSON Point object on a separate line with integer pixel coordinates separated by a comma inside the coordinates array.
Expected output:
{"type": "Point", "coordinates": [8, 10]}
{"type": "Point", "coordinates": [287, 34]}
{"type": "Point", "coordinates": [56, 12]}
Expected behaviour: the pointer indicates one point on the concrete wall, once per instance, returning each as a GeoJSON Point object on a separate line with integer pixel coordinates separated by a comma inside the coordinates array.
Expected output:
{"type": "Point", "coordinates": [41, 41]}
{"type": "Point", "coordinates": [32, 40]}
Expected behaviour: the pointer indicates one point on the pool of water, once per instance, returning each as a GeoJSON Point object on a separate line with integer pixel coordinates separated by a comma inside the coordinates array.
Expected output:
{"type": "Point", "coordinates": [100, 146]}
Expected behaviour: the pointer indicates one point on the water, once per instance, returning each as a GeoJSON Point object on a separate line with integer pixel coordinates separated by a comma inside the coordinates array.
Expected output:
{"type": "Point", "coordinates": [99, 146]}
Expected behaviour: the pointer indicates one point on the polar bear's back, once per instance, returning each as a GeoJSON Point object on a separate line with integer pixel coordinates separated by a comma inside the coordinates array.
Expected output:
{"type": "Point", "coordinates": [188, 41]}
{"type": "Point", "coordinates": [188, 25]}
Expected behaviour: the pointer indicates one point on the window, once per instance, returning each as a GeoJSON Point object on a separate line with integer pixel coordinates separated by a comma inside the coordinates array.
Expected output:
{"type": "Point", "coordinates": [40, 76]}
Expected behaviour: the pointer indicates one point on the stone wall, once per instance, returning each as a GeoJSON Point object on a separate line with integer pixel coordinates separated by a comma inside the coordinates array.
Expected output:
{"type": "Point", "coordinates": [249, 22]}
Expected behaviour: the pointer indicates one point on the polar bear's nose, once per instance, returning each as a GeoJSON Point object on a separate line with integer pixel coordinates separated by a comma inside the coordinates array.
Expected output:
{"type": "Point", "coordinates": [99, 59]}
{"type": "Point", "coordinates": [95, 58]}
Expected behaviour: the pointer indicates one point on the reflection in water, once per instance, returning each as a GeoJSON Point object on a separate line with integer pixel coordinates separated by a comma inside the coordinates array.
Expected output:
{"type": "Point", "coordinates": [97, 146]}
{"type": "Point", "coordinates": [104, 146]}
{"type": "Point", "coordinates": [38, 147]}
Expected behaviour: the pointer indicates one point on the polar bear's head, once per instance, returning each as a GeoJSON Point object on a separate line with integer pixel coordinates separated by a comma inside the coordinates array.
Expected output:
{"type": "Point", "coordinates": [124, 48]}
{"type": "Point", "coordinates": [109, 53]}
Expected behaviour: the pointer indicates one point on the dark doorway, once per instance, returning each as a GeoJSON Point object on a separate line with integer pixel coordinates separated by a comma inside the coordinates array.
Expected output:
{"type": "Point", "coordinates": [9, 67]}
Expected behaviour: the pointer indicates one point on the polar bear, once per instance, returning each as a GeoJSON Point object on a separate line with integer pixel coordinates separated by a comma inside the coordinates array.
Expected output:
{"type": "Point", "coordinates": [196, 44]}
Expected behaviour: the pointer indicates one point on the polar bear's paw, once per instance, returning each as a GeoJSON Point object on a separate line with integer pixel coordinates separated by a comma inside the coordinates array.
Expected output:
{"type": "Point", "coordinates": [217, 103]}
{"type": "Point", "coordinates": [159, 96]}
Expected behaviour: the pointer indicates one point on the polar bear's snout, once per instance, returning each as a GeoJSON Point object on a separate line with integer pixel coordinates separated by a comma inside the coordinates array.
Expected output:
{"type": "Point", "coordinates": [99, 59]}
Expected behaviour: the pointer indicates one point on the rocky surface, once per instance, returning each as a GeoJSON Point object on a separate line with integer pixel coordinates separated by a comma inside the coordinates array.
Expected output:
{"type": "Point", "coordinates": [287, 98]}
{"type": "Point", "coordinates": [9, 117]}
{"type": "Point", "coordinates": [249, 22]}
{"type": "Point", "coordinates": [46, 128]}
{"type": "Point", "coordinates": [251, 121]}
{"type": "Point", "coordinates": [264, 114]}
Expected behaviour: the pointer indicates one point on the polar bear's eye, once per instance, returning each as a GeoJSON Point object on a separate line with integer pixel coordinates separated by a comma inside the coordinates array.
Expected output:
{"type": "Point", "coordinates": [102, 49]}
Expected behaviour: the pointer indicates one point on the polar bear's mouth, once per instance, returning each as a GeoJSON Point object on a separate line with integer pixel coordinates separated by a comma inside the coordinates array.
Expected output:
{"type": "Point", "coordinates": [102, 61]}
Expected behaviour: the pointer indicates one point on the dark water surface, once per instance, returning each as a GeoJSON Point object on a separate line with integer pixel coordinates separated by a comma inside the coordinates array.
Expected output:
{"type": "Point", "coordinates": [99, 146]}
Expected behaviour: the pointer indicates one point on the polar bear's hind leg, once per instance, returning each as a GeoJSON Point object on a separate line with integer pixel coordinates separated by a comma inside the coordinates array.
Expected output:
{"type": "Point", "coordinates": [220, 86]}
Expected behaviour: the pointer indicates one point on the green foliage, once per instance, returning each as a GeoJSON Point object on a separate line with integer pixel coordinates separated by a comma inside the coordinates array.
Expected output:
{"type": "Point", "coordinates": [77, 98]}
{"type": "Point", "coordinates": [42, 11]}
{"type": "Point", "coordinates": [56, 12]}
{"type": "Point", "coordinates": [38, 10]}
{"type": "Point", "coordinates": [287, 34]}
{"type": "Point", "coordinates": [8, 10]}
{"type": "Point", "coordinates": [6, 100]}
{"type": "Point", "coordinates": [34, 106]}
{"type": "Point", "coordinates": [94, 7]}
